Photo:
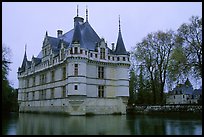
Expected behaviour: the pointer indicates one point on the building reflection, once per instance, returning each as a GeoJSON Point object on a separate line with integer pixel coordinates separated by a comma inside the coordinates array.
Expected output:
{"type": "Point", "coordinates": [43, 124]}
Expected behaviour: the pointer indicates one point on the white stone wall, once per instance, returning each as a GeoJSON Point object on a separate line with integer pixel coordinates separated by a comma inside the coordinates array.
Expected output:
{"type": "Point", "coordinates": [91, 91]}
{"type": "Point", "coordinates": [78, 106]}
{"type": "Point", "coordinates": [115, 82]}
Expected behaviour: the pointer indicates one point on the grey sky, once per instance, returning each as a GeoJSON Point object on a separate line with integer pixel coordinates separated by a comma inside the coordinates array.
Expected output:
{"type": "Point", "coordinates": [26, 23]}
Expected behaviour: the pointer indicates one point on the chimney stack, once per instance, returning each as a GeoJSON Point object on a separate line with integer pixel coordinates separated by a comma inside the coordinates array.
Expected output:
{"type": "Point", "coordinates": [59, 33]}
{"type": "Point", "coordinates": [113, 48]}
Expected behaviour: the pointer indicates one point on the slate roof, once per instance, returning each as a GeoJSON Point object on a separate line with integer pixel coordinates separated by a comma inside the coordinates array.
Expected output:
{"type": "Point", "coordinates": [120, 47]}
{"type": "Point", "coordinates": [37, 61]}
{"type": "Point", "coordinates": [197, 92]}
{"type": "Point", "coordinates": [82, 33]}
{"type": "Point", "coordinates": [186, 89]}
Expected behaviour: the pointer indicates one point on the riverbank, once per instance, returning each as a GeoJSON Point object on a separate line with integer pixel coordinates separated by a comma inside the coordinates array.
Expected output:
{"type": "Point", "coordinates": [146, 109]}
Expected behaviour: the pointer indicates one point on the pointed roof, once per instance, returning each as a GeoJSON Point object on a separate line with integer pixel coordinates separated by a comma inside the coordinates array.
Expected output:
{"type": "Point", "coordinates": [188, 83]}
{"type": "Point", "coordinates": [120, 47]}
{"type": "Point", "coordinates": [77, 35]}
{"type": "Point", "coordinates": [22, 68]}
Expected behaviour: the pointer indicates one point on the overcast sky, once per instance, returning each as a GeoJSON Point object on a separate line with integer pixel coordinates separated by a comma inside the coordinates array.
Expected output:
{"type": "Point", "coordinates": [26, 23]}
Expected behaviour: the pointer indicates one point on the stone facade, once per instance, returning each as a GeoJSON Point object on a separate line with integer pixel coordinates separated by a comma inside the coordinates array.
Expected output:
{"type": "Point", "coordinates": [72, 76]}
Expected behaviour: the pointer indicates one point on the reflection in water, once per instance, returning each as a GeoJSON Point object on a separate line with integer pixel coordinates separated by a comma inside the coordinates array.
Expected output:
{"type": "Point", "coordinates": [165, 125]}
{"type": "Point", "coordinates": [60, 125]}
{"type": "Point", "coordinates": [43, 124]}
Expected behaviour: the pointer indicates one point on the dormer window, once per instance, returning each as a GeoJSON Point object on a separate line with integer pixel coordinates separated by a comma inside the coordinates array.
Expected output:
{"type": "Point", "coordinates": [75, 50]}
{"type": "Point", "coordinates": [102, 53]}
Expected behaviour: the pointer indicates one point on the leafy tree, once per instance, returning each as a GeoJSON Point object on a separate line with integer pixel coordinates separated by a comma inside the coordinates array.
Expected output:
{"type": "Point", "coordinates": [9, 95]}
{"type": "Point", "coordinates": [190, 35]}
{"type": "Point", "coordinates": [154, 53]}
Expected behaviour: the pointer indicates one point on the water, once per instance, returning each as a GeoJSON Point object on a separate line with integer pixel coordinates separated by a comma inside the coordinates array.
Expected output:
{"type": "Point", "coordinates": [45, 124]}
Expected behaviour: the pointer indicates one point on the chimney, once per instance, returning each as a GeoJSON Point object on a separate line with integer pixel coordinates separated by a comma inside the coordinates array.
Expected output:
{"type": "Point", "coordinates": [113, 48]}
{"type": "Point", "coordinates": [59, 33]}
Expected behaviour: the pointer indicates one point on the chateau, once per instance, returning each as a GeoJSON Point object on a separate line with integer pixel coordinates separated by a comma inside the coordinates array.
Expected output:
{"type": "Point", "coordinates": [76, 73]}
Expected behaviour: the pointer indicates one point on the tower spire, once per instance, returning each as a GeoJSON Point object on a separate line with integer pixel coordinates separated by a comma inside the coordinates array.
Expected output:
{"type": "Point", "coordinates": [77, 10]}
{"type": "Point", "coordinates": [86, 13]}
{"type": "Point", "coordinates": [25, 47]}
{"type": "Point", "coordinates": [120, 47]}
{"type": "Point", "coordinates": [25, 55]}
{"type": "Point", "coordinates": [119, 24]}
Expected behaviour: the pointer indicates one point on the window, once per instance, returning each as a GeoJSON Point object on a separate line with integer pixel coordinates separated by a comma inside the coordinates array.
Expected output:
{"type": "Point", "coordinates": [118, 58]}
{"type": "Point", "coordinates": [44, 94]}
{"type": "Point", "coordinates": [100, 91]}
{"type": "Point", "coordinates": [81, 51]}
{"type": "Point", "coordinates": [52, 75]}
{"type": "Point", "coordinates": [108, 57]}
{"type": "Point", "coordinates": [63, 91]}
{"type": "Point", "coordinates": [91, 54]}
{"type": "Point", "coordinates": [71, 51]}
{"type": "Point", "coordinates": [101, 72]}
{"type": "Point", "coordinates": [45, 78]}
{"type": "Point", "coordinates": [128, 59]}
{"type": "Point", "coordinates": [85, 52]}
{"type": "Point", "coordinates": [64, 73]}
{"type": "Point", "coordinates": [41, 94]}
{"type": "Point", "coordinates": [75, 69]}
{"type": "Point", "coordinates": [33, 95]}
{"type": "Point", "coordinates": [28, 82]}
{"type": "Point", "coordinates": [62, 54]}
{"type": "Point", "coordinates": [123, 58]}
{"type": "Point", "coordinates": [102, 53]}
{"type": "Point", "coordinates": [26, 95]}
{"type": "Point", "coordinates": [75, 50]}
{"type": "Point", "coordinates": [75, 87]}
{"type": "Point", "coordinates": [174, 97]}
{"type": "Point", "coordinates": [52, 93]}
{"type": "Point", "coordinates": [183, 96]}
{"type": "Point", "coordinates": [45, 52]}
{"type": "Point", "coordinates": [33, 81]}
{"type": "Point", "coordinates": [113, 58]}
{"type": "Point", "coordinates": [96, 55]}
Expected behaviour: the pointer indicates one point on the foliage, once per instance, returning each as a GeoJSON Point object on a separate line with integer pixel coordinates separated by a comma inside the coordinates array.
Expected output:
{"type": "Point", "coordinates": [132, 89]}
{"type": "Point", "coordinates": [9, 95]}
{"type": "Point", "coordinates": [190, 36]}
{"type": "Point", "coordinates": [154, 54]}
{"type": "Point", "coordinates": [167, 57]}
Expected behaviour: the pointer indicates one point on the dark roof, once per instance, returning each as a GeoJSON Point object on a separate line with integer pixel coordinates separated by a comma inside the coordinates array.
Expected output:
{"type": "Point", "coordinates": [54, 42]}
{"type": "Point", "coordinates": [22, 68]}
{"type": "Point", "coordinates": [82, 33]}
{"type": "Point", "coordinates": [36, 60]}
{"type": "Point", "coordinates": [197, 92]}
{"type": "Point", "coordinates": [29, 64]}
{"type": "Point", "coordinates": [120, 47]}
{"type": "Point", "coordinates": [182, 89]}
{"type": "Point", "coordinates": [24, 61]}
{"type": "Point", "coordinates": [77, 38]}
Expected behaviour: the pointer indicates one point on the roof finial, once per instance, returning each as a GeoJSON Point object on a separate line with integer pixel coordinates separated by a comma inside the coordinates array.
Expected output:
{"type": "Point", "coordinates": [86, 13]}
{"type": "Point", "coordinates": [77, 10]}
{"type": "Point", "coordinates": [119, 23]}
{"type": "Point", "coordinates": [25, 55]}
{"type": "Point", "coordinates": [25, 47]}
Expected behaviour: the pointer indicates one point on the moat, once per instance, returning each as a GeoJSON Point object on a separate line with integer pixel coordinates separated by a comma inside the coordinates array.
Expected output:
{"type": "Point", "coordinates": [52, 124]}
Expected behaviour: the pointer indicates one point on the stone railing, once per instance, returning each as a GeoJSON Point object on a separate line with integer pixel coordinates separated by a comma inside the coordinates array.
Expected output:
{"type": "Point", "coordinates": [165, 108]}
